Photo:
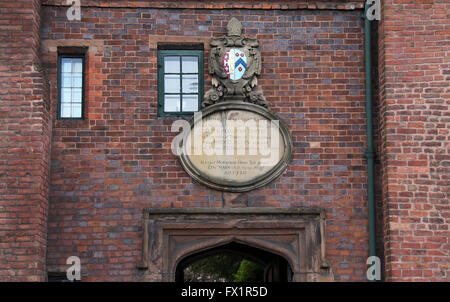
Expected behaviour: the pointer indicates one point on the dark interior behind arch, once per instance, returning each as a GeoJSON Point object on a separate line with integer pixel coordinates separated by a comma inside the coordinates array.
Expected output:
{"type": "Point", "coordinates": [276, 268]}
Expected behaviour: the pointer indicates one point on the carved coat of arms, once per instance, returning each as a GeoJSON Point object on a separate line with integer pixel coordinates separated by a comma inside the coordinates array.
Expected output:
{"type": "Point", "coordinates": [235, 143]}
{"type": "Point", "coordinates": [234, 64]}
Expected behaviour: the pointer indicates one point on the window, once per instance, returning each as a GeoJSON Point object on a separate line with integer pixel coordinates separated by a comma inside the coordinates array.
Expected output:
{"type": "Point", "coordinates": [71, 87]}
{"type": "Point", "coordinates": [180, 82]}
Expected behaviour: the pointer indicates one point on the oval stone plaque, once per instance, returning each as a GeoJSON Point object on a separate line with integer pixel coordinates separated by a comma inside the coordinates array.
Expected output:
{"type": "Point", "coordinates": [236, 147]}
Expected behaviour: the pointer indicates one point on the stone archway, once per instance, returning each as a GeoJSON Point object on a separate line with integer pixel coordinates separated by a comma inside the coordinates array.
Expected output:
{"type": "Point", "coordinates": [276, 268]}
{"type": "Point", "coordinates": [295, 234]}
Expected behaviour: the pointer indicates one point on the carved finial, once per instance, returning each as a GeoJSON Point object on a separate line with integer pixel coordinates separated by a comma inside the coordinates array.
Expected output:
{"type": "Point", "coordinates": [234, 27]}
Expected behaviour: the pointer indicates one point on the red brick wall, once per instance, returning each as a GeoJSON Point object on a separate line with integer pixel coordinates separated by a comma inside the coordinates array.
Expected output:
{"type": "Point", "coordinates": [106, 169]}
{"type": "Point", "coordinates": [24, 144]}
{"type": "Point", "coordinates": [414, 123]}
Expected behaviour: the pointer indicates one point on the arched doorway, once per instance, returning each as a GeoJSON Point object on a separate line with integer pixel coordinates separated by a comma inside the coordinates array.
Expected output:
{"type": "Point", "coordinates": [234, 262]}
{"type": "Point", "coordinates": [174, 238]}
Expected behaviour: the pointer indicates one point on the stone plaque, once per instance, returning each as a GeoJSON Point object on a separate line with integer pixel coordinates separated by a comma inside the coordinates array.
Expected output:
{"type": "Point", "coordinates": [236, 146]}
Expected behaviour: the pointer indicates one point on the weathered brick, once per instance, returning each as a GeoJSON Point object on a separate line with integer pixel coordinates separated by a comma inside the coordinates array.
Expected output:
{"type": "Point", "coordinates": [24, 175]}
{"type": "Point", "coordinates": [141, 147]}
{"type": "Point", "coordinates": [108, 167]}
{"type": "Point", "coordinates": [413, 153]}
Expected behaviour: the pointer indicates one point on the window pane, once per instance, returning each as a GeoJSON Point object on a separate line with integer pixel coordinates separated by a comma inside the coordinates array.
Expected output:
{"type": "Point", "coordinates": [71, 98]}
{"type": "Point", "coordinates": [66, 65]}
{"type": "Point", "coordinates": [171, 64]}
{"type": "Point", "coordinates": [76, 110]}
{"type": "Point", "coordinates": [172, 103]}
{"type": "Point", "coordinates": [190, 83]}
{"type": "Point", "coordinates": [66, 80]}
{"type": "Point", "coordinates": [77, 80]}
{"type": "Point", "coordinates": [190, 65]}
{"type": "Point", "coordinates": [66, 110]}
{"type": "Point", "coordinates": [77, 65]}
{"type": "Point", "coordinates": [76, 95]}
{"type": "Point", "coordinates": [190, 102]}
{"type": "Point", "coordinates": [172, 83]}
{"type": "Point", "coordinates": [66, 95]}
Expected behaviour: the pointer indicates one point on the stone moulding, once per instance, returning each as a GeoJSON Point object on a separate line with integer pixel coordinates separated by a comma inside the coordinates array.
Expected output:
{"type": "Point", "coordinates": [236, 186]}
{"type": "Point", "coordinates": [296, 234]}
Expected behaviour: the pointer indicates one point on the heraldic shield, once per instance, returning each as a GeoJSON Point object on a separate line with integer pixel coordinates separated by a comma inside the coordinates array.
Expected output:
{"type": "Point", "coordinates": [234, 63]}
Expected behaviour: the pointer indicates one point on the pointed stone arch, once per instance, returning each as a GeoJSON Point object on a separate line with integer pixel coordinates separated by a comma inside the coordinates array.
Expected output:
{"type": "Point", "coordinates": [243, 240]}
{"type": "Point", "coordinates": [276, 267]}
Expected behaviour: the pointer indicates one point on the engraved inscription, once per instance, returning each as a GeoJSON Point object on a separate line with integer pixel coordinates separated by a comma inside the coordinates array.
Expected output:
{"type": "Point", "coordinates": [237, 146]}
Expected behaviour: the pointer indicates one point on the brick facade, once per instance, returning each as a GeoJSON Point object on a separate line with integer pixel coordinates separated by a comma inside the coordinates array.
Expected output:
{"type": "Point", "coordinates": [107, 168]}
{"type": "Point", "coordinates": [25, 131]}
{"type": "Point", "coordinates": [414, 128]}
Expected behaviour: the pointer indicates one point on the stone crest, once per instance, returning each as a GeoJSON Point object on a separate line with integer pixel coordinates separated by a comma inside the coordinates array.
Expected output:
{"type": "Point", "coordinates": [235, 143]}
{"type": "Point", "coordinates": [234, 64]}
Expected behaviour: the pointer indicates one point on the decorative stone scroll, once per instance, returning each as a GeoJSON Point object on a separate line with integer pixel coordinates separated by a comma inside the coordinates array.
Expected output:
{"type": "Point", "coordinates": [235, 143]}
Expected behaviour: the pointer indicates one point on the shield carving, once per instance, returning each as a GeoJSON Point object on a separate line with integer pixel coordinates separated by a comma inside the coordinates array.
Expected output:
{"type": "Point", "coordinates": [234, 63]}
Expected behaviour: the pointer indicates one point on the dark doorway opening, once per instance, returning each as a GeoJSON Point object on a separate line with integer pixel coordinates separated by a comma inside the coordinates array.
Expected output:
{"type": "Point", "coordinates": [234, 262]}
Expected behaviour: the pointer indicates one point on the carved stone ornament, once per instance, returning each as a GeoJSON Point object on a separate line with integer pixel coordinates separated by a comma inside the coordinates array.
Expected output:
{"type": "Point", "coordinates": [235, 143]}
{"type": "Point", "coordinates": [234, 64]}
